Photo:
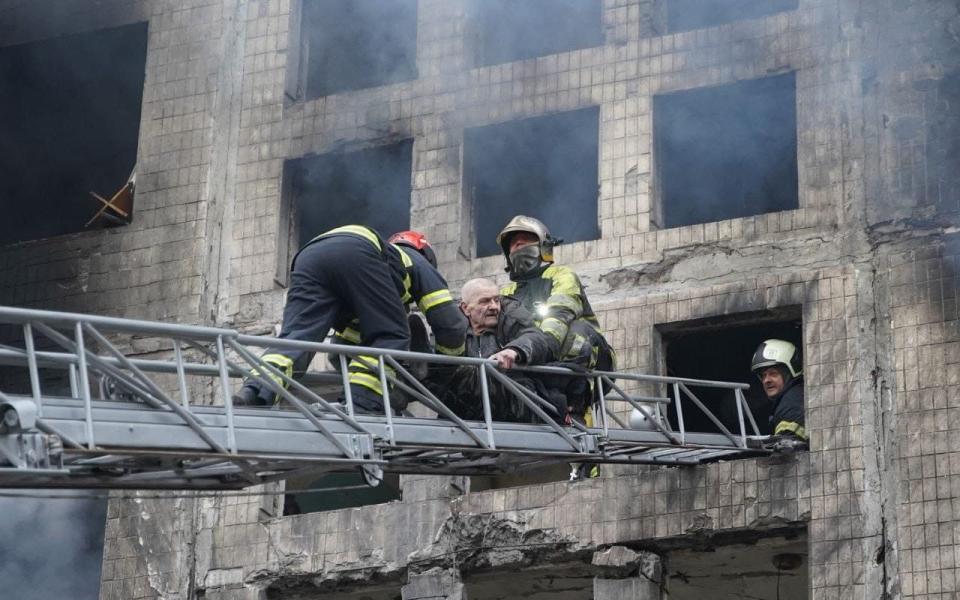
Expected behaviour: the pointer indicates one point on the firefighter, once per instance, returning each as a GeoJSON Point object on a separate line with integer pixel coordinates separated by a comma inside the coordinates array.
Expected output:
{"type": "Point", "coordinates": [778, 366]}
{"type": "Point", "coordinates": [351, 275]}
{"type": "Point", "coordinates": [553, 293]}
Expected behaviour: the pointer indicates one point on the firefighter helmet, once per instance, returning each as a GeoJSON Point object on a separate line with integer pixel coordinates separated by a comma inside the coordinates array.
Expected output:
{"type": "Point", "coordinates": [522, 223]}
{"type": "Point", "coordinates": [776, 352]}
{"type": "Point", "coordinates": [417, 241]}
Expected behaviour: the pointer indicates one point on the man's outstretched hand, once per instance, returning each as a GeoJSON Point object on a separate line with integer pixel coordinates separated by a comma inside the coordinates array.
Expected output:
{"type": "Point", "coordinates": [506, 358]}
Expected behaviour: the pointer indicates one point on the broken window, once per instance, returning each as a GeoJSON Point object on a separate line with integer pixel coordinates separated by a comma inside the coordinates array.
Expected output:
{"type": "Point", "coordinates": [323, 191]}
{"type": "Point", "coordinates": [334, 491]}
{"type": "Point", "coordinates": [507, 30]}
{"type": "Point", "coordinates": [720, 349]}
{"type": "Point", "coordinates": [353, 44]}
{"type": "Point", "coordinates": [544, 167]}
{"type": "Point", "coordinates": [685, 15]}
{"type": "Point", "coordinates": [70, 122]}
{"type": "Point", "coordinates": [728, 151]}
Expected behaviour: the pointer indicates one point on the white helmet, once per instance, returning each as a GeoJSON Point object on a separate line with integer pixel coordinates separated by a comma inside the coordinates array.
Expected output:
{"type": "Point", "coordinates": [777, 352]}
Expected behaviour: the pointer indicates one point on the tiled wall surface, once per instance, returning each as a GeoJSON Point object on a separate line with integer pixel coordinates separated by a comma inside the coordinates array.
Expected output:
{"type": "Point", "coordinates": [868, 255]}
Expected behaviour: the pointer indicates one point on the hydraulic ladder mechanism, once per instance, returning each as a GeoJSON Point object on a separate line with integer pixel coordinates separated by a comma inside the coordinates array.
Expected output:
{"type": "Point", "coordinates": [117, 421]}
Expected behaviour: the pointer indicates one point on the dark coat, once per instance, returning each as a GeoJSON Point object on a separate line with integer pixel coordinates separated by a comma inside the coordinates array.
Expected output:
{"type": "Point", "coordinates": [516, 329]}
{"type": "Point", "coordinates": [788, 407]}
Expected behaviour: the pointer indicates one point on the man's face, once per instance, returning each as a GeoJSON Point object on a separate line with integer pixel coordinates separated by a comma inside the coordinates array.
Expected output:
{"type": "Point", "coordinates": [772, 380]}
{"type": "Point", "coordinates": [482, 309]}
{"type": "Point", "coordinates": [521, 239]}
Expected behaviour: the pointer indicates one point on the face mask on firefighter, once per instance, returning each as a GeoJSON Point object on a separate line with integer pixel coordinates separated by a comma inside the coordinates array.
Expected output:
{"type": "Point", "coordinates": [525, 259]}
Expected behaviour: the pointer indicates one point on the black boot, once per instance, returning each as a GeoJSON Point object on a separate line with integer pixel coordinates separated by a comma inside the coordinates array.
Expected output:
{"type": "Point", "coordinates": [251, 395]}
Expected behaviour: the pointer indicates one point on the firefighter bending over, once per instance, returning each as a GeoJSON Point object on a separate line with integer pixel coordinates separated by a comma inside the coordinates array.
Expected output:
{"type": "Point", "coordinates": [351, 275]}
{"type": "Point", "coordinates": [778, 366]}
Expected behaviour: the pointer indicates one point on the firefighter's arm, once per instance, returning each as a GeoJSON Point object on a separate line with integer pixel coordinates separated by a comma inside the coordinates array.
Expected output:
{"type": "Point", "coordinates": [449, 326]}
{"type": "Point", "coordinates": [535, 346]}
{"type": "Point", "coordinates": [563, 306]}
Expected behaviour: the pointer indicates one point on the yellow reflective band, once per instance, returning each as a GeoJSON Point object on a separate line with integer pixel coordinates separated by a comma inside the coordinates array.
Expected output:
{"type": "Point", "coordinates": [793, 427]}
{"type": "Point", "coordinates": [360, 230]}
{"type": "Point", "coordinates": [458, 351]}
{"type": "Point", "coordinates": [349, 334]}
{"type": "Point", "coordinates": [563, 279]}
{"type": "Point", "coordinates": [554, 327]}
{"type": "Point", "coordinates": [571, 303]}
{"type": "Point", "coordinates": [280, 361]}
{"type": "Point", "coordinates": [369, 363]}
{"type": "Point", "coordinates": [407, 261]}
{"type": "Point", "coordinates": [368, 381]}
{"type": "Point", "coordinates": [588, 417]}
{"type": "Point", "coordinates": [509, 289]}
{"type": "Point", "coordinates": [434, 299]}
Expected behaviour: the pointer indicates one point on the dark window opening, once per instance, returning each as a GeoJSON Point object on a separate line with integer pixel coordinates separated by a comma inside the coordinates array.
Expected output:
{"type": "Point", "coordinates": [685, 15]}
{"type": "Point", "coordinates": [354, 44]}
{"type": "Point", "coordinates": [544, 167]}
{"type": "Point", "coordinates": [507, 30]}
{"type": "Point", "coordinates": [70, 122]}
{"type": "Point", "coordinates": [728, 151]}
{"type": "Point", "coordinates": [720, 350]}
{"type": "Point", "coordinates": [368, 187]}
{"type": "Point", "coordinates": [334, 491]}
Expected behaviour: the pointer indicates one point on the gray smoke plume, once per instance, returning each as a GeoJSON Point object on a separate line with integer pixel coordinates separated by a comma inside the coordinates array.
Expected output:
{"type": "Point", "coordinates": [51, 548]}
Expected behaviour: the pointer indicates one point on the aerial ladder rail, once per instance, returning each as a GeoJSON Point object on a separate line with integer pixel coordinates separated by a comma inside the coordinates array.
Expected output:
{"type": "Point", "coordinates": [121, 421]}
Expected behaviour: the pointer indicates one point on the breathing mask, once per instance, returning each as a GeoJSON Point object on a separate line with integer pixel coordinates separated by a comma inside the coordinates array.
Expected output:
{"type": "Point", "coordinates": [525, 259]}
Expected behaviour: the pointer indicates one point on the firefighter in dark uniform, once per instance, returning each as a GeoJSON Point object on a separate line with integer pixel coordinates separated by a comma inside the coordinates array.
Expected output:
{"type": "Point", "coordinates": [778, 366]}
{"type": "Point", "coordinates": [351, 275]}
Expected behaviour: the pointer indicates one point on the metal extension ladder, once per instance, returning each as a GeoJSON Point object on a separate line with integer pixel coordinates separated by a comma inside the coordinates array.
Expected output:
{"type": "Point", "coordinates": [83, 413]}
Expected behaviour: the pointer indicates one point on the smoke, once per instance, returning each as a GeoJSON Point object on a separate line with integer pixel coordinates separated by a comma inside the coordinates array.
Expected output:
{"type": "Point", "coordinates": [70, 117]}
{"type": "Point", "coordinates": [727, 151]}
{"type": "Point", "coordinates": [370, 187]}
{"type": "Point", "coordinates": [52, 548]}
{"type": "Point", "coordinates": [507, 30]}
{"type": "Point", "coordinates": [358, 44]}
{"type": "Point", "coordinates": [544, 167]}
{"type": "Point", "coordinates": [685, 15]}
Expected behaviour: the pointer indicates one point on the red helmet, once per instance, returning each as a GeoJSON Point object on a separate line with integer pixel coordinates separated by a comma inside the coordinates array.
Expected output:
{"type": "Point", "coordinates": [417, 241]}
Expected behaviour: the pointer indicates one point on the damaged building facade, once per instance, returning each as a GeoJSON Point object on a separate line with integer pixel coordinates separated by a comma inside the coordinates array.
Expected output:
{"type": "Point", "coordinates": [719, 171]}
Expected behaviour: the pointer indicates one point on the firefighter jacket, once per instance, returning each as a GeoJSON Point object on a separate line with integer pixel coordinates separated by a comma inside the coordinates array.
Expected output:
{"type": "Point", "coordinates": [554, 294]}
{"type": "Point", "coordinates": [423, 284]}
{"type": "Point", "coordinates": [788, 410]}
{"type": "Point", "coordinates": [516, 329]}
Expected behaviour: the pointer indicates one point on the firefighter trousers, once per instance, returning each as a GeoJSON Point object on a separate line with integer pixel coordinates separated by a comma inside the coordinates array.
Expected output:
{"type": "Point", "coordinates": [333, 280]}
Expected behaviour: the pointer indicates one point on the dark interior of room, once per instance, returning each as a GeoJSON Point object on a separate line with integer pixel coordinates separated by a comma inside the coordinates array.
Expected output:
{"type": "Point", "coordinates": [721, 351]}
{"type": "Point", "coordinates": [369, 186]}
{"type": "Point", "coordinates": [727, 151]}
{"type": "Point", "coordinates": [70, 122]}
{"type": "Point", "coordinates": [544, 167]}
{"type": "Point", "coordinates": [354, 44]}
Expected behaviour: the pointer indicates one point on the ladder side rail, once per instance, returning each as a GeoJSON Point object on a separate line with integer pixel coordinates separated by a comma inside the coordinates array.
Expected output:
{"type": "Point", "coordinates": [227, 396]}
{"type": "Point", "coordinates": [84, 384]}
{"type": "Point", "coordinates": [521, 393]}
{"type": "Point", "coordinates": [387, 409]}
{"type": "Point", "coordinates": [301, 407]}
{"type": "Point", "coordinates": [181, 374]}
{"type": "Point", "coordinates": [656, 422]}
{"type": "Point", "coordinates": [743, 428]}
{"type": "Point", "coordinates": [67, 320]}
{"type": "Point", "coordinates": [634, 376]}
{"type": "Point", "coordinates": [87, 356]}
{"type": "Point", "coordinates": [436, 401]}
{"type": "Point", "coordinates": [711, 416]}
{"type": "Point", "coordinates": [598, 386]}
{"type": "Point", "coordinates": [256, 362]}
{"type": "Point", "coordinates": [487, 410]}
{"type": "Point", "coordinates": [753, 422]}
{"type": "Point", "coordinates": [62, 360]}
{"type": "Point", "coordinates": [192, 421]}
{"type": "Point", "coordinates": [679, 406]}
{"type": "Point", "coordinates": [32, 367]}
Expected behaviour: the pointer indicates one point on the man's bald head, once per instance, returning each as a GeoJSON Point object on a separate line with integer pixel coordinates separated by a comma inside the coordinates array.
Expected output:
{"type": "Point", "coordinates": [480, 301]}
